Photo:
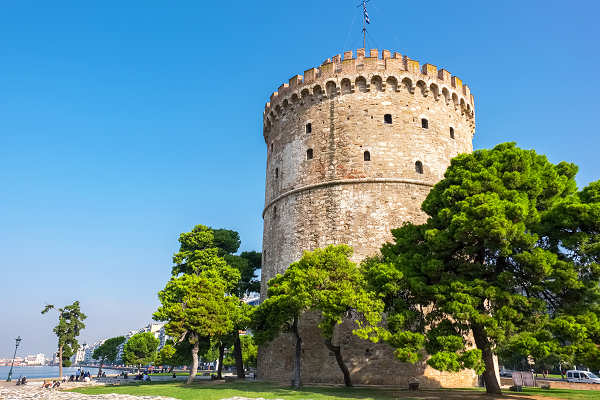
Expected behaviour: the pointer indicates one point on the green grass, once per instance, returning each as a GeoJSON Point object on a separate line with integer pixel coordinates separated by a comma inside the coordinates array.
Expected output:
{"type": "Point", "coordinates": [169, 374]}
{"type": "Point", "coordinates": [217, 391]}
{"type": "Point", "coordinates": [562, 393]}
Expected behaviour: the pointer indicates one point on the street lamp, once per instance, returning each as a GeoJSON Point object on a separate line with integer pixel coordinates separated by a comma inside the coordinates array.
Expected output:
{"type": "Point", "coordinates": [18, 341]}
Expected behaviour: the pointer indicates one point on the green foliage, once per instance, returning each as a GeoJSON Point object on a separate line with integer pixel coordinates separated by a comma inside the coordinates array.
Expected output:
{"type": "Point", "coordinates": [198, 253]}
{"type": "Point", "coordinates": [140, 349]}
{"type": "Point", "coordinates": [227, 241]}
{"type": "Point", "coordinates": [510, 252]}
{"type": "Point", "coordinates": [174, 354]}
{"type": "Point", "coordinates": [326, 281]}
{"type": "Point", "coordinates": [70, 324]}
{"type": "Point", "coordinates": [249, 352]}
{"type": "Point", "coordinates": [198, 304]}
{"type": "Point", "coordinates": [109, 350]}
{"type": "Point", "coordinates": [166, 355]}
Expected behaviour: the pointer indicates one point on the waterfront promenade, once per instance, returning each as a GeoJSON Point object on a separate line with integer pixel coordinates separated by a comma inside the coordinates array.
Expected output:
{"type": "Point", "coordinates": [34, 391]}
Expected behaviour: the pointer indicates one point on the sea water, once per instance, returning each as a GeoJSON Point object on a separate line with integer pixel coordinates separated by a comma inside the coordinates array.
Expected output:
{"type": "Point", "coordinates": [33, 372]}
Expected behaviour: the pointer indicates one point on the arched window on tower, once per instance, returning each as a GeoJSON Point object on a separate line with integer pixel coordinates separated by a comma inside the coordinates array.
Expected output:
{"type": "Point", "coordinates": [424, 123]}
{"type": "Point", "coordinates": [419, 167]}
{"type": "Point", "coordinates": [451, 132]}
{"type": "Point", "coordinates": [308, 128]}
{"type": "Point", "coordinates": [309, 154]}
{"type": "Point", "coordinates": [387, 118]}
{"type": "Point", "coordinates": [367, 156]}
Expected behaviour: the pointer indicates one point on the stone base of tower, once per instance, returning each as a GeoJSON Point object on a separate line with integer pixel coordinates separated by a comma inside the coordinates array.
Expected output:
{"type": "Point", "coordinates": [369, 363]}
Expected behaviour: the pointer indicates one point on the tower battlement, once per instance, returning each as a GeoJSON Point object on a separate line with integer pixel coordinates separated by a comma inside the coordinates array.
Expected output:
{"type": "Point", "coordinates": [387, 70]}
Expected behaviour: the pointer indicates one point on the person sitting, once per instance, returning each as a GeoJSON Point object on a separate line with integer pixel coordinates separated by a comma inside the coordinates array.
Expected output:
{"type": "Point", "coordinates": [72, 378]}
{"type": "Point", "coordinates": [146, 378]}
{"type": "Point", "coordinates": [46, 384]}
{"type": "Point", "coordinates": [56, 384]}
{"type": "Point", "coordinates": [23, 380]}
{"type": "Point", "coordinates": [174, 375]}
{"type": "Point", "coordinates": [104, 374]}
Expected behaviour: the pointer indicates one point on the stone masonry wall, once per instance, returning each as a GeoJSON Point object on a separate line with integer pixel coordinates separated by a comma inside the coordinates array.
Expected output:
{"type": "Point", "coordinates": [338, 196]}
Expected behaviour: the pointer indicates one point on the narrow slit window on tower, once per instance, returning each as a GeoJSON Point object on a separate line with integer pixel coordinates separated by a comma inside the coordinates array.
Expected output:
{"type": "Point", "coordinates": [309, 154]}
{"type": "Point", "coordinates": [451, 132]}
{"type": "Point", "coordinates": [367, 156]}
{"type": "Point", "coordinates": [424, 123]}
{"type": "Point", "coordinates": [274, 211]}
{"type": "Point", "coordinates": [387, 118]}
{"type": "Point", "coordinates": [419, 167]}
{"type": "Point", "coordinates": [276, 173]}
{"type": "Point", "coordinates": [308, 128]}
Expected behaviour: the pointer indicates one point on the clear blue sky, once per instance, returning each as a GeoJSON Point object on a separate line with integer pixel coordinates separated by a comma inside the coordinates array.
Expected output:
{"type": "Point", "coordinates": [126, 123]}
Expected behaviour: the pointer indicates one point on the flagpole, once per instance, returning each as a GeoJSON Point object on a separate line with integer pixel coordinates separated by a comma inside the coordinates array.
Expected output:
{"type": "Point", "coordinates": [365, 21]}
{"type": "Point", "coordinates": [364, 25]}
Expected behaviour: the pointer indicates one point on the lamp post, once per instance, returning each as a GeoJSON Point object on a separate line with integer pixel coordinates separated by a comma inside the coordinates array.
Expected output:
{"type": "Point", "coordinates": [18, 341]}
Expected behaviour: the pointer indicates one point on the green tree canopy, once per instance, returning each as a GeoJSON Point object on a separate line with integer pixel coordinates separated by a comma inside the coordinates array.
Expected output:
{"type": "Point", "coordinates": [508, 254]}
{"type": "Point", "coordinates": [247, 263]}
{"type": "Point", "coordinates": [175, 354]}
{"type": "Point", "coordinates": [323, 281]}
{"type": "Point", "coordinates": [108, 351]}
{"type": "Point", "coordinates": [249, 351]}
{"type": "Point", "coordinates": [70, 324]}
{"type": "Point", "coordinates": [197, 309]}
{"type": "Point", "coordinates": [140, 349]}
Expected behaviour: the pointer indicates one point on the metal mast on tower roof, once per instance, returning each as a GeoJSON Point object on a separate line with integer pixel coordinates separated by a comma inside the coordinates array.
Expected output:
{"type": "Point", "coordinates": [366, 21]}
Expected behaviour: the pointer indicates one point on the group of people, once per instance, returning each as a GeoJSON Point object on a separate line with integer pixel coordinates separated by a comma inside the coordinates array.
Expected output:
{"type": "Point", "coordinates": [80, 376]}
{"type": "Point", "coordinates": [144, 377]}
{"type": "Point", "coordinates": [22, 380]}
{"type": "Point", "coordinates": [47, 384]}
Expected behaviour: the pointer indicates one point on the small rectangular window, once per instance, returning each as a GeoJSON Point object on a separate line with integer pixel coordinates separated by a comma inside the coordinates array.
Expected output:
{"type": "Point", "coordinates": [308, 128]}
{"type": "Point", "coordinates": [424, 123]}
{"type": "Point", "coordinates": [309, 154]}
{"type": "Point", "coordinates": [387, 118]}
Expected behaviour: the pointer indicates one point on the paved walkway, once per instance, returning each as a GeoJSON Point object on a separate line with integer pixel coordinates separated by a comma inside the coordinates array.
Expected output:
{"type": "Point", "coordinates": [34, 391]}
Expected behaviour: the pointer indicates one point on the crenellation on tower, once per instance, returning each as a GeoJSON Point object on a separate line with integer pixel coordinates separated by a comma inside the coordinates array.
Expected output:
{"type": "Point", "coordinates": [397, 66]}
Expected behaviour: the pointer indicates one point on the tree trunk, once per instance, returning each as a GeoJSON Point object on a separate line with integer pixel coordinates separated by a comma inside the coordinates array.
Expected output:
{"type": "Point", "coordinates": [194, 366]}
{"type": "Point", "coordinates": [297, 381]}
{"type": "Point", "coordinates": [60, 352]}
{"type": "Point", "coordinates": [340, 361]}
{"type": "Point", "coordinates": [221, 355]}
{"type": "Point", "coordinates": [239, 361]}
{"type": "Point", "coordinates": [492, 386]}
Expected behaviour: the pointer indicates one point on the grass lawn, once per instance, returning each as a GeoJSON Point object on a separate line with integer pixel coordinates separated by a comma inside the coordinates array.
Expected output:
{"type": "Point", "coordinates": [217, 391]}
{"type": "Point", "coordinates": [169, 374]}
{"type": "Point", "coordinates": [563, 393]}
